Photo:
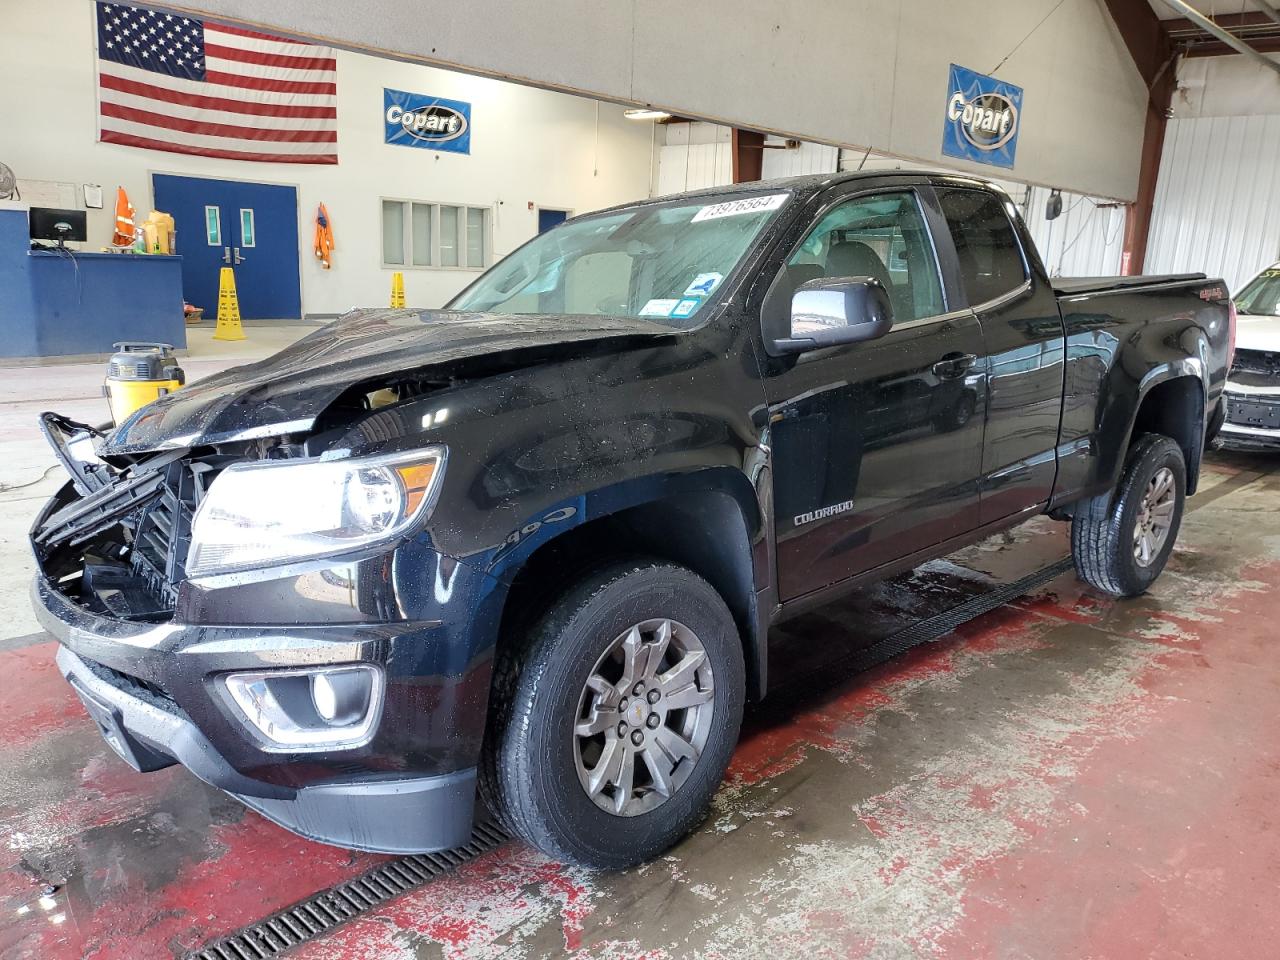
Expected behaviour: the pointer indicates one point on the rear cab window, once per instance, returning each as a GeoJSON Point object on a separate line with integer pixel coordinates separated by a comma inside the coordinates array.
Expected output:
{"type": "Point", "coordinates": [989, 256]}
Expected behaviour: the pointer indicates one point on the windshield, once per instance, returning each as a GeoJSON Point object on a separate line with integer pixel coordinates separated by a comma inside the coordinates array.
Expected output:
{"type": "Point", "coordinates": [660, 262]}
{"type": "Point", "coordinates": [1261, 297]}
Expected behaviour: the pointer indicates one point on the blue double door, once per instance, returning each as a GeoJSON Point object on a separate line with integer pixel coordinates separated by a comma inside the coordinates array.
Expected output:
{"type": "Point", "coordinates": [548, 219]}
{"type": "Point", "coordinates": [251, 227]}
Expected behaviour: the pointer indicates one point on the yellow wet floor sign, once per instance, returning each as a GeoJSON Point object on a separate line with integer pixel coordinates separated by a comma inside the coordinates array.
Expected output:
{"type": "Point", "coordinates": [229, 327]}
{"type": "Point", "coordinates": [397, 289]}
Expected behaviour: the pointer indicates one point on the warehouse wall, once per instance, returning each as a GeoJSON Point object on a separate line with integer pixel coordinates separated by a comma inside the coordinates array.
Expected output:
{"type": "Point", "coordinates": [858, 73]}
{"type": "Point", "coordinates": [801, 161]}
{"type": "Point", "coordinates": [528, 146]}
{"type": "Point", "coordinates": [1217, 206]}
{"type": "Point", "coordinates": [692, 156]}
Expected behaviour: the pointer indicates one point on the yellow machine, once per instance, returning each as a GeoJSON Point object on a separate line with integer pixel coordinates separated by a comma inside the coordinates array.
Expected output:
{"type": "Point", "coordinates": [139, 373]}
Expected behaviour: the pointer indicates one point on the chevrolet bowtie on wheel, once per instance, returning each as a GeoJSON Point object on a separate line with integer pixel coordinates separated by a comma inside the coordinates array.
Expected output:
{"type": "Point", "coordinates": [525, 552]}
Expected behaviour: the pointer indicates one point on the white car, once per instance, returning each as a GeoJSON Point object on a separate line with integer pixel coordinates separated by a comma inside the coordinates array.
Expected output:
{"type": "Point", "coordinates": [1253, 385]}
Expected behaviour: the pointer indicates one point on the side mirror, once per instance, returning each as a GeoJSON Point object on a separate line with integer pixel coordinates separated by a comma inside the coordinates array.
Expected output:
{"type": "Point", "coordinates": [827, 312]}
{"type": "Point", "coordinates": [1053, 206]}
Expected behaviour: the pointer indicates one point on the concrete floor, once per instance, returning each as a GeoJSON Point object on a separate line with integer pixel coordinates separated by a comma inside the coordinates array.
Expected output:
{"type": "Point", "coordinates": [1067, 776]}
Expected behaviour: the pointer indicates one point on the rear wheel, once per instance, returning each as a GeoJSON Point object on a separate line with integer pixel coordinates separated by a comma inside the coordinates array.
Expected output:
{"type": "Point", "coordinates": [1121, 541]}
{"type": "Point", "coordinates": [612, 727]}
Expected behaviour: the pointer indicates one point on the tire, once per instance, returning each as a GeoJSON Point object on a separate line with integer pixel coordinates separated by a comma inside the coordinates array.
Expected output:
{"type": "Point", "coordinates": [1105, 530]}
{"type": "Point", "coordinates": [535, 773]}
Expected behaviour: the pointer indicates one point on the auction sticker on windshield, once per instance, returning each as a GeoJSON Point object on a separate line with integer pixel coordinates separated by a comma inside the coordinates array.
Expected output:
{"type": "Point", "coordinates": [703, 284]}
{"type": "Point", "coordinates": [733, 208]}
{"type": "Point", "coordinates": [658, 308]}
{"type": "Point", "coordinates": [685, 308]}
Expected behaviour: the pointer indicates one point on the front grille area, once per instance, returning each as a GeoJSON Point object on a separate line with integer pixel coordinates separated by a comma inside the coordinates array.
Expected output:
{"type": "Point", "coordinates": [1258, 362]}
{"type": "Point", "coordinates": [162, 537]}
{"type": "Point", "coordinates": [1264, 414]}
{"type": "Point", "coordinates": [121, 550]}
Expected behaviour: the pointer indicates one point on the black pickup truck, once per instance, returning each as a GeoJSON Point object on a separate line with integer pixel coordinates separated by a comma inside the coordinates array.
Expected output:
{"type": "Point", "coordinates": [530, 546]}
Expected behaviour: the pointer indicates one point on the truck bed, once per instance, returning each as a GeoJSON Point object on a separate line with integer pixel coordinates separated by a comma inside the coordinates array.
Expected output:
{"type": "Point", "coordinates": [1078, 286]}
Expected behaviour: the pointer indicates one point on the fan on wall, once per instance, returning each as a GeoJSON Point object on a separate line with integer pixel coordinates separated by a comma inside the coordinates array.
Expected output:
{"type": "Point", "coordinates": [8, 183]}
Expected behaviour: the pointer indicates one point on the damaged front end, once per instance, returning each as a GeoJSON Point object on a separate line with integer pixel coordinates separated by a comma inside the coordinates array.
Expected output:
{"type": "Point", "coordinates": [114, 540]}
{"type": "Point", "coordinates": [322, 695]}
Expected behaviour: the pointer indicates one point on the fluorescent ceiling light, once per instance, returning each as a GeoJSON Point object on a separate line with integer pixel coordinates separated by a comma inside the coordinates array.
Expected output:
{"type": "Point", "coordinates": [643, 113]}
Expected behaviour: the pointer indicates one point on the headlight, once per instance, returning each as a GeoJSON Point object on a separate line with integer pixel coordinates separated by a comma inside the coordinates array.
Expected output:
{"type": "Point", "coordinates": [272, 512]}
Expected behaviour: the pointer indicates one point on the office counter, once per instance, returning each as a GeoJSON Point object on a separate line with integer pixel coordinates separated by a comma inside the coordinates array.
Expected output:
{"type": "Point", "coordinates": [65, 303]}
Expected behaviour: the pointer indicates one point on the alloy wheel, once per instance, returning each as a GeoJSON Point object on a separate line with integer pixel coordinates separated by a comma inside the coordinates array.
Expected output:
{"type": "Point", "coordinates": [1155, 517]}
{"type": "Point", "coordinates": [643, 718]}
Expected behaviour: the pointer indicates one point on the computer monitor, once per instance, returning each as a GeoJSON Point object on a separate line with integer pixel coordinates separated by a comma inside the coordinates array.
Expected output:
{"type": "Point", "coordinates": [49, 223]}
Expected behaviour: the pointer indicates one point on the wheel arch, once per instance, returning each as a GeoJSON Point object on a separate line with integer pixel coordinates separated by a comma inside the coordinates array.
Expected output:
{"type": "Point", "coordinates": [1172, 402]}
{"type": "Point", "coordinates": [708, 521]}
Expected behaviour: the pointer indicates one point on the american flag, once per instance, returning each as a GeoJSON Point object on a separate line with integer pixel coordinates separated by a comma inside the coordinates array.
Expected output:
{"type": "Point", "coordinates": [167, 82]}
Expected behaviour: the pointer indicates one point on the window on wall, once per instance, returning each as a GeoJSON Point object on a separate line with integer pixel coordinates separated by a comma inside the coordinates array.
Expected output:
{"type": "Point", "coordinates": [420, 234]}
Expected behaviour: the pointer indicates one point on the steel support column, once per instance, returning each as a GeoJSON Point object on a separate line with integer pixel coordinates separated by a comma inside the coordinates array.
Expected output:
{"type": "Point", "coordinates": [1154, 55]}
{"type": "Point", "coordinates": [748, 155]}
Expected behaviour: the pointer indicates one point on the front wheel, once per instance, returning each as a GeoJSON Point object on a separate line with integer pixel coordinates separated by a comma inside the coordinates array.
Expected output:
{"type": "Point", "coordinates": [1121, 541]}
{"type": "Point", "coordinates": [613, 725]}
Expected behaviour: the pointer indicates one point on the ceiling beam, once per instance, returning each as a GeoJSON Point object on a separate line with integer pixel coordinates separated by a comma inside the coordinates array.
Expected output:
{"type": "Point", "coordinates": [1268, 9]}
{"type": "Point", "coordinates": [1226, 36]}
{"type": "Point", "coordinates": [1179, 27]}
{"type": "Point", "coordinates": [1216, 48]}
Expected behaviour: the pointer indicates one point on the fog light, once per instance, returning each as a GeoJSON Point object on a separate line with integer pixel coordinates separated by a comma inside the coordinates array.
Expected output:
{"type": "Point", "coordinates": [341, 696]}
{"type": "Point", "coordinates": [308, 709]}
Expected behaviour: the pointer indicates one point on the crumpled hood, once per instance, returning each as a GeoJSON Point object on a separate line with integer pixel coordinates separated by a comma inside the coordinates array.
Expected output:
{"type": "Point", "coordinates": [1257, 333]}
{"type": "Point", "coordinates": [286, 392]}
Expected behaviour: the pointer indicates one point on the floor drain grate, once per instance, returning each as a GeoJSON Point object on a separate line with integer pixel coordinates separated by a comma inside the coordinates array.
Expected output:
{"type": "Point", "coordinates": [321, 913]}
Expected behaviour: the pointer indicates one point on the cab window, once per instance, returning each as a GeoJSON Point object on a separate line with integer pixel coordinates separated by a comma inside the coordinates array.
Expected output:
{"type": "Point", "coordinates": [987, 249]}
{"type": "Point", "coordinates": [882, 236]}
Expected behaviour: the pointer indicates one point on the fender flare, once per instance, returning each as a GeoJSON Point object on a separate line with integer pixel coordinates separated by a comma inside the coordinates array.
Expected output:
{"type": "Point", "coordinates": [1181, 368]}
{"type": "Point", "coordinates": [748, 573]}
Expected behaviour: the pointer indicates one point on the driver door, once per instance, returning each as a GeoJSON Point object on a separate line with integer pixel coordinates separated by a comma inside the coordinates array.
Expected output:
{"type": "Point", "coordinates": [877, 446]}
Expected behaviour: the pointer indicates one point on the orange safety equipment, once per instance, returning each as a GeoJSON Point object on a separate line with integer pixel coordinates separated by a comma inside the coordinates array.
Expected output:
{"type": "Point", "coordinates": [125, 233]}
{"type": "Point", "coordinates": [324, 238]}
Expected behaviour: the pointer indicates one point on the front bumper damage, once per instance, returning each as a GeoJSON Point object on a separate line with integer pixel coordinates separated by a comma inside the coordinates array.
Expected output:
{"type": "Point", "coordinates": [147, 652]}
{"type": "Point", "coordinates": [150, 729]}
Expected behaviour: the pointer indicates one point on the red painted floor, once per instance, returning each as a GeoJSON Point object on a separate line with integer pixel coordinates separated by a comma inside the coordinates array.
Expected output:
{"type": "Point", "coordinates": [1065, 777]}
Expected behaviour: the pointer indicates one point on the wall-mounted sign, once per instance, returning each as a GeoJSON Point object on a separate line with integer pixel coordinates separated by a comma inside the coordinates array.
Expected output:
{"type": "Point", "coordinates": [982, 118]}
{"type": "Point", "coordinates": [417, 120]}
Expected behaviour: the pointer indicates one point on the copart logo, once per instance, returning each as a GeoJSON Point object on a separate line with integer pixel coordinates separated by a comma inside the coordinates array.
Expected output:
{"type": "Point", "coordinates": [822, 513]}
{"type": "Point", "coordinates": [988, 121]}
{"type": "Point", "coordinates": [432, 122]}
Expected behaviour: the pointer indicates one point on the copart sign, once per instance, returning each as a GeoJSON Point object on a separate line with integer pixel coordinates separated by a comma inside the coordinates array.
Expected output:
{"type": "Point", "coordinates": [983, 116]}
{"type": "Point", "coordinates": [433, 123]}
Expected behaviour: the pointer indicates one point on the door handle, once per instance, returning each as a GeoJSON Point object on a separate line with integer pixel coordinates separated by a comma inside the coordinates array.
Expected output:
{"type": "Point", "coordinates": [239, 259]}
{"type": "Point", "coordinates": [226, 254]}
{"type": "Point", "coordinates": [954, 365]}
